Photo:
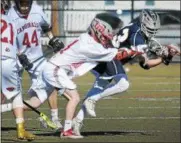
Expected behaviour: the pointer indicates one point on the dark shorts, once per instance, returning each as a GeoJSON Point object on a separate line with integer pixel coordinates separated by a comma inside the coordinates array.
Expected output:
{"type": "Point", "coordinates": [112, 68]}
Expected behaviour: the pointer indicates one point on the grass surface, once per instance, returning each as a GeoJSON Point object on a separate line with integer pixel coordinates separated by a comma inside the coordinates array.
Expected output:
{"type": "Point", "coordinates": [148, 112]}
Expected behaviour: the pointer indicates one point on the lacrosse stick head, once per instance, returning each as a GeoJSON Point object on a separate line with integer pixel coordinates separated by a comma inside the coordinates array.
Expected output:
{"type": "Point", "coordinates": [174, 50]}
{"type": "Point", "coordinates": [156, 47]}
{"type": "Point", "coordinates": [47, 121]}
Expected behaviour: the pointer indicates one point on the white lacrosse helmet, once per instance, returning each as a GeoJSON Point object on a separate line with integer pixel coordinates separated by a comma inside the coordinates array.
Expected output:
{"type": "Point", "coordinates": [150, 23]}
{"type": "Point", "coordinates": [105, 26]}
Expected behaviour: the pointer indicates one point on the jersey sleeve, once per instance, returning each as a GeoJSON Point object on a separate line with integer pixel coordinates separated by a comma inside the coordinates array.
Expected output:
{"type": "Point", "coordinates": [45, 24]}
{"type": "Point", "coordinates": [100, 54]}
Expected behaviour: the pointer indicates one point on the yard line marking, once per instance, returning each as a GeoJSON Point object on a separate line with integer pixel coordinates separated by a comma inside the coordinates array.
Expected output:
{"type": "Point", "coordinates": [114, 118]}
{"type": "Point", "coordinates": [133, 118]}
{"type": "Point", "coordinates": [106, 108]}
{"type": "Point", "coordinates": [166, 83]}
{"type": "Point", "coordinates": [136, 98]}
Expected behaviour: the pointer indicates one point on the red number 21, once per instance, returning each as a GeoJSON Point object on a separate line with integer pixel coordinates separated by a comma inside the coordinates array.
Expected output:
{"type": "Point", "coordinates": [4, 26]}
{"type": "Point", "coordinates": [34, 39]}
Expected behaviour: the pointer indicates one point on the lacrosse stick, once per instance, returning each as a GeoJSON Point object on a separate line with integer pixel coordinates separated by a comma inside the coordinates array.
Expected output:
{"type": "Point", "coordinates": [43, 116]}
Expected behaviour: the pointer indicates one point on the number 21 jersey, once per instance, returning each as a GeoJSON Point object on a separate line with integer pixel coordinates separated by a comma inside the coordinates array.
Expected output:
{"type": "Point", "coordinates": [8, 38]}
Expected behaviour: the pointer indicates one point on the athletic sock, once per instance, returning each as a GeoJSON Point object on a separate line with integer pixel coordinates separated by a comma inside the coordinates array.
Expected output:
{"type": "Point", "coordinates": [19, 120]}
{"type": "Point", "coordinates": [54, 114]}
{"type": "Point", "coordinates": [67, 125]}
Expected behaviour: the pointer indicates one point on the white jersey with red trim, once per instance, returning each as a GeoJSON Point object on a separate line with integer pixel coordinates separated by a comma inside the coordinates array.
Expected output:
{"type": "Point", "coordinates": [82, 55]}
{"type": "Point", "coordinates": [29, 30]}
{"type": "Point", "coordinates": [8, 38]}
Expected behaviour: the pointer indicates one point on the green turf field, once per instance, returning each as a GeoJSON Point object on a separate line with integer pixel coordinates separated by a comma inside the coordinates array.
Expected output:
{"type": "Point", "coordinates": [148, 112]}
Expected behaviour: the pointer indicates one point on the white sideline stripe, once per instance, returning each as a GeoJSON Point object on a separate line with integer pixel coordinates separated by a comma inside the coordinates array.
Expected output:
{"type": "Point", "coordinates": [133, 118]}
{"type": "Point", "coordinates": [146, 90]}
{"type": "Point", "coordinates": [102, 108]}
{"type": "Point", "coordinates": [113, 118]}
{"type": "Point", "coordinates": [166, 83]}
{"type": "Point", "coordinates": [137, 77]}
{"type": "Point", "coordinates": [138, 98]}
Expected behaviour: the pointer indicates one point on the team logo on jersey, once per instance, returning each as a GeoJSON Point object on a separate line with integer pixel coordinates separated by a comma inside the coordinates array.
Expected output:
{"type": "Point", "coordinates": [7, 49]}
{"type": "Point", "coordinates": [27, 25]}
{"type": "Point", "coordinates": [10, 89]}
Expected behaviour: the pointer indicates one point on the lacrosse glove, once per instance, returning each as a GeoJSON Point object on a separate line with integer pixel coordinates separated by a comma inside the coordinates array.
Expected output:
{"type": "Point", "coordinates": [56, 44]}
{"type": "Point", "coordinates": [25, 62]}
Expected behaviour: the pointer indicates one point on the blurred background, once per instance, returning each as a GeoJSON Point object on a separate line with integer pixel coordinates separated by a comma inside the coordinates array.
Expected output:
{"type": "Point", "coordinates": [71, 18]}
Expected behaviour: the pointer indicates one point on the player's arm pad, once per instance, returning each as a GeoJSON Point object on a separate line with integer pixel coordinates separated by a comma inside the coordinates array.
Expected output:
{"type": "Point", "coordinates": [56, 44]}
{"type": "Point", "coordinates": [25, 62]}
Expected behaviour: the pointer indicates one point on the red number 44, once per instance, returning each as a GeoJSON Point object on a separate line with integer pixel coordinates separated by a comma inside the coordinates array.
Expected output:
{"type": "Point", "coordinates": [34, 39]}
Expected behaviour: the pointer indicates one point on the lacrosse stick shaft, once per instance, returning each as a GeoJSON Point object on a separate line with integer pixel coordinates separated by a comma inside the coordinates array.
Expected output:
{"type": "Point", "coordinates": [38, 112]}
{"type": "Point", "coordinates": [48, 52]}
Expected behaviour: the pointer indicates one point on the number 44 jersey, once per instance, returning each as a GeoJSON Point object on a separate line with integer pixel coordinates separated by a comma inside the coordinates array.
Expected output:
{"type": "Point", "coordinates": [8, 38]}
{"type": "Point", "coordinates": [29, 30]}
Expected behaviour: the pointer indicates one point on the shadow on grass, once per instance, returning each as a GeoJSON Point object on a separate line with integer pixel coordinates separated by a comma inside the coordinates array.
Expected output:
{"type": "Point", "coordinates": [114, 133]}
{"type": "Point", "coordinates": [101, 133]}
{"type": "Point", "coordinates": [86, 133]}
{"type": "Point", "coordinates": [8, 128]}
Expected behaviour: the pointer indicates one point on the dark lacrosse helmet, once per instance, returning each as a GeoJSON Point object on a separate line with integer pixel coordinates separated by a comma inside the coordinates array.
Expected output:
{"type": "Point", "coordinates": [23, 6]}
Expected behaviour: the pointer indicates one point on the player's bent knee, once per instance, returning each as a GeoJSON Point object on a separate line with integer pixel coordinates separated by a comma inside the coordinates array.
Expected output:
{"type": "Point", "coordinates": [123, 85]}
{"type": "Point", "coordinates": [35, 102]}
{"type": "Point", "coordinates": [17, 101]}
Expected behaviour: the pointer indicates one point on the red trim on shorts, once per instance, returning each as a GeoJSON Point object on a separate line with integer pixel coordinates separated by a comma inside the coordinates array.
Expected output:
{"type": "Point", "coordinates": [66, 48]}
{"type": "Point", "coordinates": [55, 74]}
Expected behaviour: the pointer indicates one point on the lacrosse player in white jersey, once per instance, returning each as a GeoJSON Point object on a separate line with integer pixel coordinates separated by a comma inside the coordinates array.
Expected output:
{"type": "Point", "coordinates": [31, 22]}
{"type": "Point", "coordinates": [11, 87]}
{"type": "Point", "coordinates": [77, 59]}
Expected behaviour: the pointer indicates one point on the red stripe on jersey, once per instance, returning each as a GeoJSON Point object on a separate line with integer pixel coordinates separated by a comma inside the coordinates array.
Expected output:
{"type": "Point", "coordinates": [71, 44]}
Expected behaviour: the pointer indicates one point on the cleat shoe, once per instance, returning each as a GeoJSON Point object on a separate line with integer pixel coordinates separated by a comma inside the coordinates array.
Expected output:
{"type": "Point", "coordinates": [57, 122]}
{"type": "Point", "coordinates": [69, 134]}
{"type": "Point", "coordinates": [90, 107]}
{"type": "Point", "coordinates": [77, 125]}
{"type": "Point", "coordinates": [22, 134]}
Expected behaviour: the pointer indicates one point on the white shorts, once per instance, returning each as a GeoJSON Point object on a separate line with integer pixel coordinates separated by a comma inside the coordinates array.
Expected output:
{"type": "Point", "coordinates": [41, 89]}
{"type": "Point", "coordinates": [37, 85]}
{"type": "Point", "coordinates": [57, 77]}
{"type": "Point", "coordinates": [11, 85]}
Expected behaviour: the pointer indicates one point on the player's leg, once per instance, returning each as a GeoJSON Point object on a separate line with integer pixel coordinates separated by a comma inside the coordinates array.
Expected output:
{"type": "Point", "coordinates": [11, 88]}
{"type": "Point", "coordinates": [70, 110]}
{"type": "Point", "coordinates": [36, 77]}
{"type": "Point", "coordinates": [58, 78]}
{"type": "Point", "coordinates": [97, 88]}
{"type": "Point", "coordinates": [52, 100]}
{"type": "Point", "coordinates": [5, 107]}
{"type": "Point", "coordinates": [119, 84]}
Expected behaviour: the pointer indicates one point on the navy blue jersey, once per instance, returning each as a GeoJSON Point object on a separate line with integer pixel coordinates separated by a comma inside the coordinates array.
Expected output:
{"type": "Point", "coordinates": [128, 36]}
{"type": "Point", "coordinates": [131, 35]}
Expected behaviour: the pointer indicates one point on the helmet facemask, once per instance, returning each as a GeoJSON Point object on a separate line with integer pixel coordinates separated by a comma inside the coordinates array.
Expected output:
{"type": "Point", "coordinates": [5, 5]}
{"type": "Point", "coordinates": [150, 23]}
{"type": "Point", "coordinates": [23, 6]}
{"type": "Point", "coordinates": [103, 32]}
